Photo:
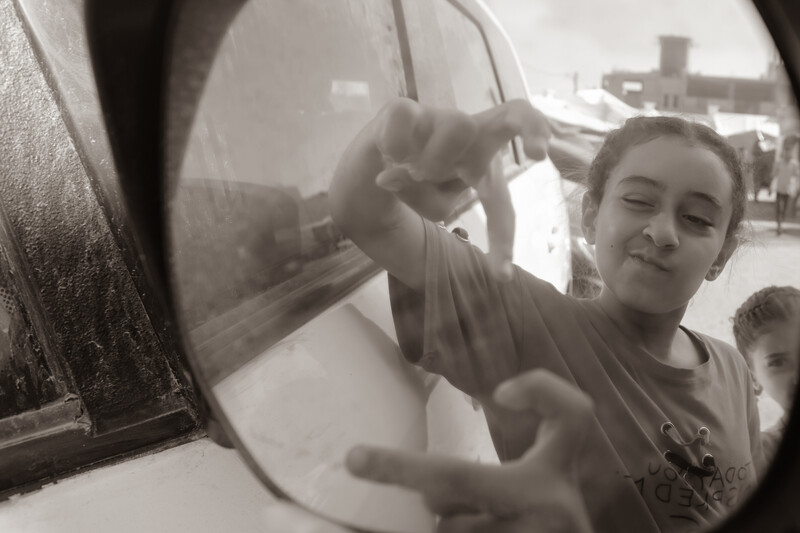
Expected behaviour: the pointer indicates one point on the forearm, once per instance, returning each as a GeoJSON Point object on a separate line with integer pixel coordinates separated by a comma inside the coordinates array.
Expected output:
{"type": "Point", "coordinates": [357, 204]}
{"type": "Point", "coordinates": [382, 226]}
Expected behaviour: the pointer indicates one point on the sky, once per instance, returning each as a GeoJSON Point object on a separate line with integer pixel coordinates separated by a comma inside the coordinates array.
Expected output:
{"type": "Point", "coordinates": [555, 38]}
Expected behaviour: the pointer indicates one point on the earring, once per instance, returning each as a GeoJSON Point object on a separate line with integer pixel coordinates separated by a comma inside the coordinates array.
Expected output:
{"type": "Point", "coordinates": [713, 271]}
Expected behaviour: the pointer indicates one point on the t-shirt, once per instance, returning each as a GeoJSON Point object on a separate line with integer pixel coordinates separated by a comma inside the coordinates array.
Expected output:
{"type": "Point", "coordinates": [476, 332]}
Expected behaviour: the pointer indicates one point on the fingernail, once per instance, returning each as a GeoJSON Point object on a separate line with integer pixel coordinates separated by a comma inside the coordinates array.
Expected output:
{"type": "Point", "coordinates": [357, 460]}
{"type": "Point", "coordinates": [390, 184]}
{"type": "Point", "coordinates": [506, 393]}
{"type": "Point", "coordinates": [536, 150]}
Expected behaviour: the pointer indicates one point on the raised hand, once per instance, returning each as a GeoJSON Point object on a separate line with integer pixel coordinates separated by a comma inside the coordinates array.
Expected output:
{"type": "Point", "coordinates": [431, 156]}
{"type": "Point", "coordinates": [537, 493]}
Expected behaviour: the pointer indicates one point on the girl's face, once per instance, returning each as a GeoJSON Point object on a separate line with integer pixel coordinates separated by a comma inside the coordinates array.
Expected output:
{"type": "Point", "coordinates": [774, 358]}
{"type": "Point", "coordinates": [660, 228]}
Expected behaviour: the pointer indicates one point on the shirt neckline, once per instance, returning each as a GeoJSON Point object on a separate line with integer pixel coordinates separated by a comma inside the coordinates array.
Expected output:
{"type": "Point", "coordinates": [641, 360]}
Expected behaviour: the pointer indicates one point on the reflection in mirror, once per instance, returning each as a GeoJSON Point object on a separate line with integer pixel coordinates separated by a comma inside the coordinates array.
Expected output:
{"type": "Point", "coordinates": [302, 366]}
{"type": "Point", "coordinates": [289, 324]}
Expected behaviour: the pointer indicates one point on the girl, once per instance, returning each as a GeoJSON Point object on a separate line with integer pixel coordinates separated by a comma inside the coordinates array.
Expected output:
{"type": "Point", "coordinates": [673, 442]}
{"type": "Point", "coordinates": [766, 331]}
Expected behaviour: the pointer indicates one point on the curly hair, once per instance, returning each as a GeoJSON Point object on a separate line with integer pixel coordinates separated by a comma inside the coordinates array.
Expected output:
{"type": "Point", "coordinates": [764, 307]}
{"type": "Point", "coordinates": [640, 130]}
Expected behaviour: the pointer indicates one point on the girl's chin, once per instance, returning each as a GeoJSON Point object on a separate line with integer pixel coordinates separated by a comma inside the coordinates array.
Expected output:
{"type": "Point", "coordinates": [650, 303]}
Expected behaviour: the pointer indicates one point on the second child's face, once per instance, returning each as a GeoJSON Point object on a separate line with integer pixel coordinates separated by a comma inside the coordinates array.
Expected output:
{"type": "Point", "coordinates": [661, 224]}
{"type": "Point", "coordinates": [774, 356]}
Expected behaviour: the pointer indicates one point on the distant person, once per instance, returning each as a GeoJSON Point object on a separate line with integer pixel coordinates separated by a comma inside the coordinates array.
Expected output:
{"type": "Point", "coordinates": [786, 174]}
{"type": "Point", "coordinates": [767, 332]}
{"type": "Point", "coordinates": [794, 191]}
{"type": "Point", "coordinates": [745, 157]}
{"type": "Point", "coordinates": [674, 409]}
{"type": "Point", "coordinates": [761, 166]}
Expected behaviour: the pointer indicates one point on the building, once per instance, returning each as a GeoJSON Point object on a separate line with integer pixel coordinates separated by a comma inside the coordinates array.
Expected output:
{"type": "Point", "coordinates": [672, 88]}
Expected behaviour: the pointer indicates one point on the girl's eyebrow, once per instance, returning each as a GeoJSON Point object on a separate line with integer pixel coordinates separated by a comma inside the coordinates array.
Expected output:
{"type": "Point", "coordinates": [643, 180]}
{"type": "Point", "coordinates": [775, 355]}
{"type": "Point", "coordinates": [707, 197]}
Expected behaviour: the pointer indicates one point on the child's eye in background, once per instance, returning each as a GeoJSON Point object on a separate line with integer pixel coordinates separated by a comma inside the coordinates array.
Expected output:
{"type": "Point", "coordinates": [776, 362]}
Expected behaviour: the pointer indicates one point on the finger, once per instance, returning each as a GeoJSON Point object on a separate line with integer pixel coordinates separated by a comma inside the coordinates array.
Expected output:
{"type": "Point", "coordinates": [484, 523]}
{"type": "Point", "coordinates": [394, 179]}
{"type": "Point", "coordinates": [434, 201]}
{"type": "Point", "coordinates": [496, 127]}
{"type": "Point", "coordinates": [500, 221]}
{"type": "Point", "coordinates": [403, 127]}
{"type": "Point", "coordinates": [566, 411]}
{"type": "Point", "coordinates": [452, 133]}
{"type": "Point", "coordinates": [448, 485]}
{"type": "Point", "coordinates": [519, 117]}
{"type": "Point", "coordinates": [534, 129]}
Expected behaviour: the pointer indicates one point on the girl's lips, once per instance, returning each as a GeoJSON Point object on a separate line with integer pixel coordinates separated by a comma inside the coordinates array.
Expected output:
{"type": "Point", "coordinates": [650, 261]}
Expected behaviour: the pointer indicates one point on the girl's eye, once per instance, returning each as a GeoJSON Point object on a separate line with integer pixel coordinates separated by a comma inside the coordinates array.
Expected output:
{"type": "Point", "coordinates": [698, 221]}
{"type": "Point", "coordinates": [637, 202]}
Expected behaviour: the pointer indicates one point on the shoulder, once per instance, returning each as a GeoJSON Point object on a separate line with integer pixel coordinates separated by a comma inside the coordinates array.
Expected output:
{"type": "Point", "coordinates": [443, 242]}
{"type": "Point", "coordinates": [546, 296]}
{"type": "Point", "coordinates": [725, 355]}
{"type": "Point", "coordinates": [718, 345]}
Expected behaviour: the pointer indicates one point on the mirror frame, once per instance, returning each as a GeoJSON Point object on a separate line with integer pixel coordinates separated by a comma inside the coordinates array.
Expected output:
{"type": "Point", "coordinates": [130, 42]}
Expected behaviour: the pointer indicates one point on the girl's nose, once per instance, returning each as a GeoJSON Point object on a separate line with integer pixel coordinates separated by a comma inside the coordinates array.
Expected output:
{"type": "Point", "coordinates": [662, 231]}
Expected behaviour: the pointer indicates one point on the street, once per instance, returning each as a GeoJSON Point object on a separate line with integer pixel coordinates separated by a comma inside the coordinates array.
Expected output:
{"type": "Point", "coordinates": [763, 259]}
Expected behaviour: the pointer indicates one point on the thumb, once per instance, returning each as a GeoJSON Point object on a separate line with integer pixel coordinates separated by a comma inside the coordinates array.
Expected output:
{"type": "Point", "coordinates": [566, 412]}
{"type": "Point", "coordinates": [447, 484]}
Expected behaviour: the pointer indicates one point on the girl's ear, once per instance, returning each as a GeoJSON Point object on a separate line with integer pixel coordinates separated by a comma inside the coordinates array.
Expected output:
{"type": "Point", "coordinates": [757, 388]}
{"type": "Point", "coordinates": [731, 243]}
{"type": "Point", "coordinates": [589, 209]}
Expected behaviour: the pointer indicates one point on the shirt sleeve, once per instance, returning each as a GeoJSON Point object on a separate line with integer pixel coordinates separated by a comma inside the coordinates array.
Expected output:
{"type": "Point", "coordinates": [466, 326]}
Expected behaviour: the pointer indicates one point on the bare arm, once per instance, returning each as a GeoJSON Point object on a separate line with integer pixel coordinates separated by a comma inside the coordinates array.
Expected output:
{"type": "Point", "coordinates": [374, 218]}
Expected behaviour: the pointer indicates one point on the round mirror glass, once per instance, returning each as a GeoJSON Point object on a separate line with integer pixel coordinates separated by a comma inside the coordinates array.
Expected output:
{"type": "Point", "coordinates": [290, 326]}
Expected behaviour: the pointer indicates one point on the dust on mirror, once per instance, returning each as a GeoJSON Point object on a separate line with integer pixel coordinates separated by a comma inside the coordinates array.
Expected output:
{"type": "Point", "coordinates": [291, 325]}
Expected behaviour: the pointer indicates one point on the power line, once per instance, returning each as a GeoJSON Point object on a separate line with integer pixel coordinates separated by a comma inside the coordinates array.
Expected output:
{"type": "Point", "coordinates": [548, 72]}
{"type": "Point", "coordinates": [571, 75]}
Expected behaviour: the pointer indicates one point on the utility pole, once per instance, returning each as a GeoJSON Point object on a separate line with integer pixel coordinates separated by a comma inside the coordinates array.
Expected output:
{"type": "Point", "coordinates": [575, 82]}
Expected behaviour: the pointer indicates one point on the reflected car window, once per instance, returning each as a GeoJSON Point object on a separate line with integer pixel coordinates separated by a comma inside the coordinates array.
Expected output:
{"type": "Point", "coordinates": [472, 74]}
{"type": "Point", "coordinates": [253, 240]}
